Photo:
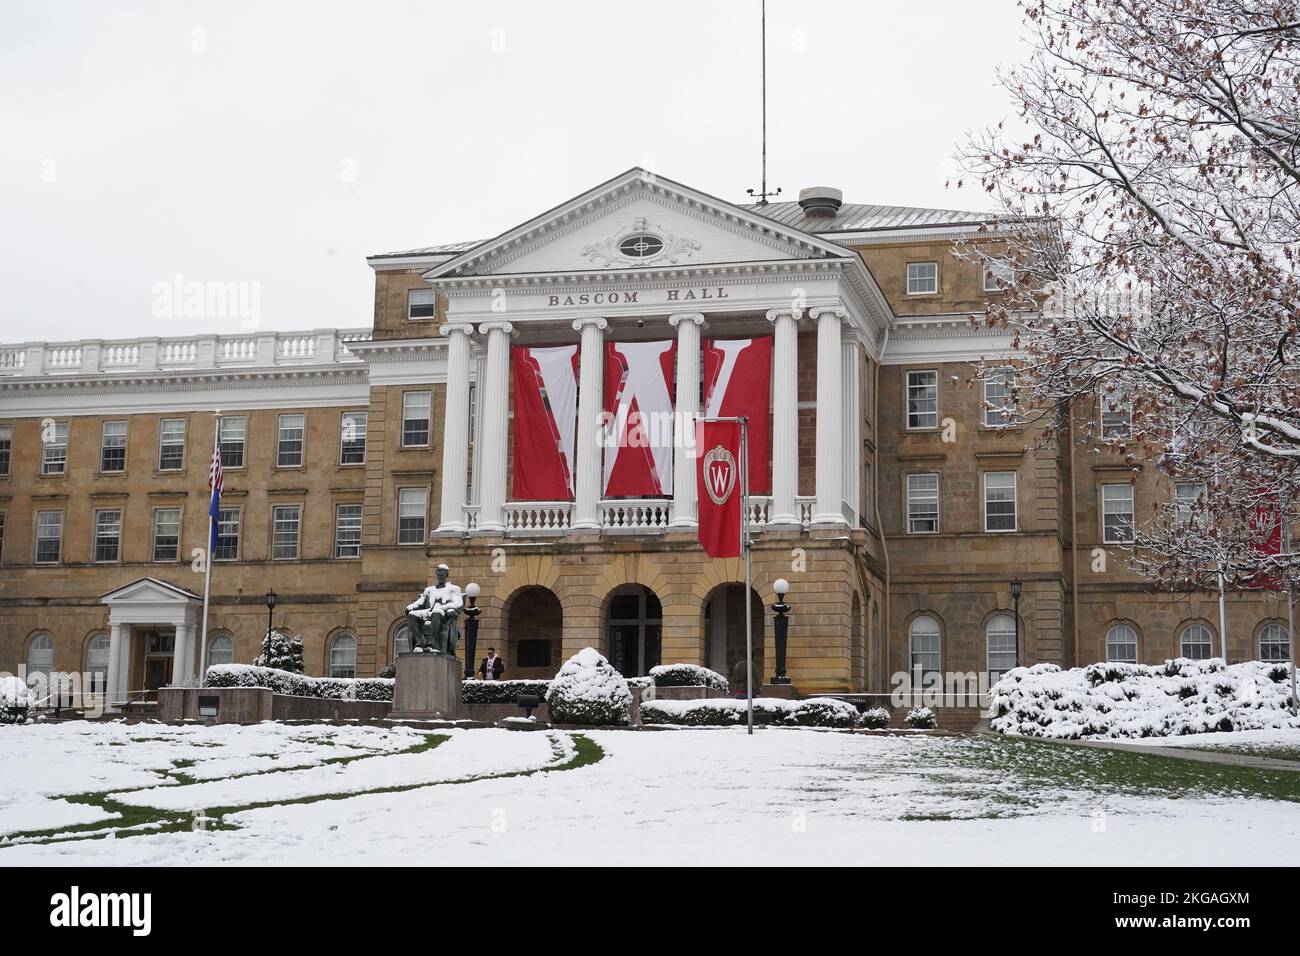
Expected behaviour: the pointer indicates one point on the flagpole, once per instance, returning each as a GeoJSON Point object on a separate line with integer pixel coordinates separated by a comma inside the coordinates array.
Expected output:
{"type": "Point", "coordinates": [749, 603]}
{"type": "Point", "coordinates": [1288, 581]}
{"type": "Point", "coordinates": [207, 559]}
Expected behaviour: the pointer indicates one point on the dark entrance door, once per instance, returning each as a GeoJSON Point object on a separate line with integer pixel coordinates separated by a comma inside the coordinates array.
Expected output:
{"type": "Point", "coordinates": [634, 626]}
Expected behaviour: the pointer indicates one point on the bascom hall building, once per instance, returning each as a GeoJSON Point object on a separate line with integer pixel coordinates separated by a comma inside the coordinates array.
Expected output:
{"type": "Point", "coordinates": [481, 421]}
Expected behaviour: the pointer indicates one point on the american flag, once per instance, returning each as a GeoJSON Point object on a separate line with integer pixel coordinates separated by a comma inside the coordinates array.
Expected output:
{"type": "Point", "coordinates": [215, 476]}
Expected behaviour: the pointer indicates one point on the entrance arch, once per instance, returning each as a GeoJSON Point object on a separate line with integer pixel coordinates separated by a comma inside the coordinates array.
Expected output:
{"type": "Point", "coordinates": [724, 634]}
{"type": "Point", "coordinates": [633, 630]}
{"type": "Point", "coordinates": [534, 624]}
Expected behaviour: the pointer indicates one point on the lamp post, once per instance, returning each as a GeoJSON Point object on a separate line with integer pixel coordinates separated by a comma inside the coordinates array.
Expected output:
{"type": "Point", "coordinates": [1015, 600]}
{"type": "Point", "coordinates": [471, 627]}
{"type": "Point", "coordinates": [781, 625]}
{"type": "Point", "coordinates": [266, 643]}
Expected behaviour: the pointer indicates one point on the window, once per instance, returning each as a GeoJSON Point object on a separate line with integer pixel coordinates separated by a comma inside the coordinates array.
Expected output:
{"type": "Point", "coordinates": [108, 535]}
{"type": "Point", "coordinates": [923, 636]}
{"type": "Point", "coordinates": [1122, 644]}
{"type": "Point", "coordinates": [97, 663]}
{"type": "Point", "coordinates": [1116, 513]}
{"type": "Point", "coordinates": [221, 650]}
{"type": "Point", "coordinates": [1001, 634]}
{"type": "Point", "coordinates": [923, 399]}
{"type": "Point", "coordinates": [171, 444]}
{"type": "Point", "coordinates": [922, 504]}
{"type": "Point", "coordinates": [6, 448]}
{"type": "Point", "coordinates": [1116, 417]}
{"type": "Point", "coordinates": [352, 438]}
{"type": "Point", "coordinates": [54, 449]}
{"type": "Point", "coordinates": [112, 447]}
{"type": "Point", "coordinates": [49, 537]}
{"type": "Point", "coordinates": [998, 275]}
{"type": "Point", "coordinates": [347, 531]}
{"type": "Point", "coordinates": [922, 278]}
{"type": "Point", "coordinates": [410, 515]}
{"type": "Point", "coordinates": [288, 452]}
{"type": "Point", "coordinates": [999, 403]}
{"type": "Point", "coordinates": [402, 640]}
{"type": "Point", "coordinates": [420, 304]}
{"type": "Point", "coordinates": [285, 524]}
{"type": "Point", "coordinates": [343, 656]}
{"type": "Point", "coordinates": [227, 548]}
{"type": "Point", "coordinates": [166, 534]}
{"type": "Point", "coordinates": [641, 246]}
{"type": "Point", "coordinates": [999, 501]}
{"type": "Point", "coordinates": [533, 652]}
{"type": "Point", "coordinates": [1189, 498]}
{"type": "Point", "coordinates": [415, 418]}
{"type": "Point", "coordinates": [1274, 642]}
{"type": "Point", "coordinates": [40, 655]}
{"type": "Point", "coordinates": [1196, 642]}
{"type": "Point", "coordinates": [2, 535]}
{"type": "Point", "coordinates": [233, 433]}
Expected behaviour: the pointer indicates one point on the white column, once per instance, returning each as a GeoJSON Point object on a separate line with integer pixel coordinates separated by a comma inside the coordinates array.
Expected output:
{"type": "Point", "coordinates": [492, 429]}
{"type": "Point", "coordinates": [688, 409]}
{"type": "Point", "coordinates": [785, 416]}
{"type": "Point", "coordinates": [183, 660]}
{"type": "Point", "coordinates": [455, 430]}
{"type": "Point", "coordinates": [591, 378]}
{"type": "Point", "coordinates": [830, 406]}
{"type": "Point", "coordinates": [852, 426]}
{"type": "Point", "coordinates": [116, 676]}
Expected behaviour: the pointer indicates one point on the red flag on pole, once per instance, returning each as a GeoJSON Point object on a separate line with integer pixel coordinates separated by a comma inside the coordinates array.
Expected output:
{"type": "Point", "coordinates": [718, 486]}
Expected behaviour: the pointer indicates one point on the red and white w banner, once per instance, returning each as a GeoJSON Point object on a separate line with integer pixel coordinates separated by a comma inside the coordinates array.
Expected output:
{"type": "Point", "coordinates": [546, 414]}
{"type": "Point", "coordinates": [639, 418]}
{"type": "Point", "coordinates": [1266, 523]}
{"type": "Point", "coordinates": [738, 384]}
{"type": "Point", "coordinates": [718, 488]}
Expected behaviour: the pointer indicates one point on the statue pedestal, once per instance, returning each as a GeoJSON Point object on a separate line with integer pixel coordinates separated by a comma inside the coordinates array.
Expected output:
{"type": "Point", "coordinates": [428, 687]}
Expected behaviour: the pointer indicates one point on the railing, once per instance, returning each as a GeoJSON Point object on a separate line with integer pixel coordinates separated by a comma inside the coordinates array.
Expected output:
{"type": "Point", "coordinates": [259, 349]}
{"type": "Point", "coordinates": [538, 517]}
{"type": "Point", "coordinates": [805, 507]}
{"type": "Point", "coordinates": [635, 514]}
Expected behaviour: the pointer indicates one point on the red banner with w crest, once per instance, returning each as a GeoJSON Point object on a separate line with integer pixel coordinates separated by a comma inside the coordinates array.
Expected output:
{"type": "Point", "coordinates": [718, 487]}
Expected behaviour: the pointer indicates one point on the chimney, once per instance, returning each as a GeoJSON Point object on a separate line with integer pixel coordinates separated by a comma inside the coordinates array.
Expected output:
{"type": "Point", "coordinates": [820, 201]}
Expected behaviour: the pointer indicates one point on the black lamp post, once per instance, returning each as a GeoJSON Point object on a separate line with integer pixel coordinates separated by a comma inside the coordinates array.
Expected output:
{"type": "Point", "coordinates": [780, 625]}
{"type": "Point", "coordinates": [266, 643]}
{"type": "Point", "coordinates": [1015, 600]}
{"type": "Point", "coordinates": [472, 611]}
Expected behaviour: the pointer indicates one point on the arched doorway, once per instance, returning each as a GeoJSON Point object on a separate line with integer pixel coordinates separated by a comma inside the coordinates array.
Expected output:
{"type": "Point", "coordinates": [534, 625]}
{"type": "Point", "coordinates": [724, 634]}
{"type": "Point", "coordinates": [633, 630]}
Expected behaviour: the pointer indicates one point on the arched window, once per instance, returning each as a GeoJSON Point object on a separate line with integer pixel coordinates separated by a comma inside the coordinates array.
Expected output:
{"type": "Point", "coordinates": [40, 655]}
{"type": "Point", "coordinates": [1196, 643]}
{"type": "Point", "coordinates": [1001, 634]}
{"type": "Point", "coordinates": [221, 650]}
{"type": "Point", "coordinates": [402, 640]}
{"type": "Point", "coordinates": [1274, 642]}
{"type": "Point", "coordinates": [343, 656]}
{"type": "Point", "coordinates": [924, 639]}
{"type": "Point", "coordinates": [97, 663]}
{"type": "Point", "coordinates": [1122, 644]}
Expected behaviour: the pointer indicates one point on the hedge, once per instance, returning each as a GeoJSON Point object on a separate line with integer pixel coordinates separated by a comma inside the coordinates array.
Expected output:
{"type": "Point", "coordinates": [299, 685]}
{"type": "Point", "coordinates": [722, 712]}
{"type": "Point", "coordinates": [688, 675]}
{"type": "Point", "coordinates": [502, 691]}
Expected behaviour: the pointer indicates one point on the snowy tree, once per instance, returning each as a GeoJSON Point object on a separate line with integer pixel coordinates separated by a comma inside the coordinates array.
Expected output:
{"type": "Point", "coordinates": [1148, 244]}
{"type": "Point", "coordinates": [284, 653]}
{"type": "Point", "coordinates": [587, 690]}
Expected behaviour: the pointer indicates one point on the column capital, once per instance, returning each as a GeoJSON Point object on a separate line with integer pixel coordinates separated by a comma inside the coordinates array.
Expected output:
{"type": "Point", "coordinates": [836, 310]}
{"type": "Point", "coordinates": [774, 314]}
{"type": "Point", "coordinates": [677, 318]}
{"type": "Point", "coordinates": [449, 327]}
{"type": "Point", "coordinates": [599, 321]}
{"type": "Point", "coordinates": [499, 326]}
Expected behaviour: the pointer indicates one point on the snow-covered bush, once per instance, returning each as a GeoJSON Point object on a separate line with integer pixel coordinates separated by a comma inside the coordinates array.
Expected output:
{"type": "Point", "coordinates": [722, 712]}
{"type": "Point", "coordinates": [587, 690]}
{"type": "Point", "coordinates": [876, 718]}
{"type": "Point", "coordinates": [284, 654]}
{"type": "Point", "coordinates": [641, 683]}
{"type": "Point", "coordinates": [501, 691]}
{"type": "Point", "coordinates": [921, 718]}
{"type": "Point", "coordinates": [299, 685]}
{"type": "Point", "coordinates": [1140, 700]}
{"type": "Point", "coordinates": [688, 675]}
{"type": "Point", "coordinates": [15, 700]}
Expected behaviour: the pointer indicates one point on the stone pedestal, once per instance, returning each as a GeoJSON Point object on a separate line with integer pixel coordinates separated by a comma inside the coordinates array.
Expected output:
{"type": "Point", "coordinates": [428, 687]}
{"type": "Point", "coordinates": [781, 691]}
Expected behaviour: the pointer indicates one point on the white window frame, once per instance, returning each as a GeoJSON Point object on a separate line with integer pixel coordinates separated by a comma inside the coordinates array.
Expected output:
{"type": "Point", "coordinates": [163, 443]}
{"type": "Point", "coordinates": [1207, 642]}
{"type": "Point", "coordinates": [227, 646]}
{"type": "Point", "coordinates": [1002, 633]}
{"type": "Point", "coordinates": [993, 268]}
{"type": "Point", "coordinates": [1115, 631]}
{"type": "Point", "coordinates": [96, 526]}
{"type": "Point", "coordinates": [6, 449]}
{"type": "Point", "coordinates": [428, 419]}
{"type": "Point", "coordinates": [995, 414]}
{"type": "Point", "coordinates": [360, 432]}
{"type": "Point", "coordinates": [284, 427]}
{"type": "Point", "coordinates": [1183, 504]}
{"type": "Point", "coordinates": [922, 496]}
{"type": "Point", "coordinates": [425, 297]}
{"type": "Point", "coordinates": [908, 388]}
{"type": "Point", "coordinates": [99, 646]}
{"type": "Point", "coordinates": [45, 647]}
{"type": "Point", "coordinates": [353, 528]}
{"type": "Point", "coordinates": [180, 516]}
{"type": "Point", "coordinates": [936, 635]}
{"type": "Point", "coordinates": [229, 424]}
{"type": "Point", "coordinates": [1106, 536]}
{"type": "Point", "coordinates": [1284, 642]}
{"type": "Point", "coordinates": [119, 441]}
{"type": "Point", "coordinates": [424, 513]}
{"type": "Point", "coordinates": [49, 451]}
{"type": "Point", "coordinates": [1015, 501]}
{"type": "Point", "coordinates": [239, 532]}
{"type": "Point", "coordinates": [1116, 418]}
{"type": "Point", "coordinates": [39, 538]}
{"type": "Point", "coordinates": [276, 531]}
{"type": "Point", "coordinates": [915, 283]}
{"type": "Point", "coordinates": [335, 669]}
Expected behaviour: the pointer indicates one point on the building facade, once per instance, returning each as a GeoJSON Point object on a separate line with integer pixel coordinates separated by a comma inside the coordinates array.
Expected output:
{"type": "Point", "coordinates": [900, 509]}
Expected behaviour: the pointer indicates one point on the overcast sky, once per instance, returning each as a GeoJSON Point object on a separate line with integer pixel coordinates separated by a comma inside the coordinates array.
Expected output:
{"type": "Point", "coordinates": [279, 143]}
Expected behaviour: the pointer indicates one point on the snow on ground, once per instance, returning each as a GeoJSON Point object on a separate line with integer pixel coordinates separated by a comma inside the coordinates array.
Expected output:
{"type": "Point", "coordinates": [1280, 738]}
{"type": "Point", "coordinates": [690, 796]}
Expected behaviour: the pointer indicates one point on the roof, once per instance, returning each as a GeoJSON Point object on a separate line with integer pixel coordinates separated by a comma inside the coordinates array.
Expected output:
{"type": "Point", "coordinates": [859, 217]}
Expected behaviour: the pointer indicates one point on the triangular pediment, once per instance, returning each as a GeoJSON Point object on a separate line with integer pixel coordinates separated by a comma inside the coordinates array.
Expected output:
{"type": "Point", "coordinates": [637, 221]}
{"type": "Point", "coordinates": [149, 591]}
